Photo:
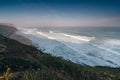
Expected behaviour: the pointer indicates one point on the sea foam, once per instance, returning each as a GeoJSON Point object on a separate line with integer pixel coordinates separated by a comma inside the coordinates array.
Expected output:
{"type": "Point", "coordinates": [80, 49]}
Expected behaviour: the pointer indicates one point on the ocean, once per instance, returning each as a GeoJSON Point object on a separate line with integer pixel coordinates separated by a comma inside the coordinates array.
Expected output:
{"type": "Point", "coordinates": [93, 46]}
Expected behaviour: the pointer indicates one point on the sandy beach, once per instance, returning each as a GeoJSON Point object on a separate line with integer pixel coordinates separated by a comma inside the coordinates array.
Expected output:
{"type": "Point", "coordinates": [21, 39]}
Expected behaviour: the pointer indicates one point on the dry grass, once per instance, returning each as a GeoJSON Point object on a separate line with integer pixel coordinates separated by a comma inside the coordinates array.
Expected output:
{"type": "Point", "coordinates": [8, 75]}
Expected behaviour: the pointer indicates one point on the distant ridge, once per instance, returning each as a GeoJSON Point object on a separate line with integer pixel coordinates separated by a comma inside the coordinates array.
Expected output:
{"type": "Point", "coordinates": [7, 29]}
{"type": "Point", "coordinates": [7, 24]}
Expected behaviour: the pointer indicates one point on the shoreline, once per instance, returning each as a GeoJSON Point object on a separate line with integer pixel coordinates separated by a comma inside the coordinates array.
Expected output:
{"type": "Point", "coordinates": [12, 32]}
{"type": "Point", "coordinates": [58, 49]}
{"type": "Point", "coordinates": [18, 36]}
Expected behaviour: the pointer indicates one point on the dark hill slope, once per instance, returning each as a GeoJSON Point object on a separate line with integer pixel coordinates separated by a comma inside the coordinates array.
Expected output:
{"type": "Point", "coordinates": [28, 63]}
{"type": "Point", "coordinates": [7, 30]}
{"type": "Point", "coordinates": [10, 32]}
{"type": "Point", "coordinates": [14, 48]}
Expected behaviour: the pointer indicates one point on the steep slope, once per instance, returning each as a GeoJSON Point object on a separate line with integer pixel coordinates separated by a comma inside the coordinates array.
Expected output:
{"type": "Point", "coordinates": [10, 31]}
{"type": "Point", "coordinates": [7, 30]}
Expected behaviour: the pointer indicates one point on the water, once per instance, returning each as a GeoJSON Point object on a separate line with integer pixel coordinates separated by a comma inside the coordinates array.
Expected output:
{"type": "Point", "coordinates": [90, 46]}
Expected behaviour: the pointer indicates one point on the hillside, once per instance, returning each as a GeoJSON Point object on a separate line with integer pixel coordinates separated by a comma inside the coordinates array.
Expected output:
{"type": "Point", "coordinates": [27, 63]}
{"type": "Point", "coordinates": [7, 30]}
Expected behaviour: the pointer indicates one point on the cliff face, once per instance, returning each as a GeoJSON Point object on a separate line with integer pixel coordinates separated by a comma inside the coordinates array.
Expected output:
{"type": "Point", "coordinates": [13, 48]}
{"type": "Point", "coordinates": [7, 30]}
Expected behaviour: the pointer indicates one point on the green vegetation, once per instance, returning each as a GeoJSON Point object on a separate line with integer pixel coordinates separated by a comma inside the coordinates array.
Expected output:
{"type": "Point", "coordinates": [22, 62]}
{"type": "Point", "coordinates": [16, 64]}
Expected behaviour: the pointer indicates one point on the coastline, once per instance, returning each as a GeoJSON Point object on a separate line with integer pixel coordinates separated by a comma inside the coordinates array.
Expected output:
{"type": "Point", "coordinates": [12, 32]}
{"type": "Point", "coordinates": [60, 49]}
{"type": "Point", "coordinates": [21, 39]}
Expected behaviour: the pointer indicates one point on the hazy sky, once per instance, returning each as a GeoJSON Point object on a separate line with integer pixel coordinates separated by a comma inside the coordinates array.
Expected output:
{"type": "Point", "coordinates": [61, 12]}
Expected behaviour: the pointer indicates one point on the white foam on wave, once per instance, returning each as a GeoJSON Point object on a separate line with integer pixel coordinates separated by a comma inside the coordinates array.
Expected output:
{"type": "Point", "coordinates": [82, 38]}
{"type": "Point", "coordinates": [106, 49]}
{"type": "Point", "coordinates": [51, 31]}
{"type": "Point", "coordinates": [110, 45]}
{"type": "Point", "coordinates": [113, 42]}
{"type": "Point", "coordinates": [56, 36]}
{"type": "Point", "coordinates": [68, 38]}
{"type": "Point", "coordinates": [76, 48]}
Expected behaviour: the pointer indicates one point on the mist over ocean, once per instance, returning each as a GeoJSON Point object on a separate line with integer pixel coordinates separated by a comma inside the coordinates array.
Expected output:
{"type": "Point", "coordinates": [94, 46]}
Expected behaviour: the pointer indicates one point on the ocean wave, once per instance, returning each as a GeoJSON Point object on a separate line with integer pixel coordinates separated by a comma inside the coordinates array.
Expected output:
{"type": "Point", "coordinates": [113, 42]}
{"type": "Point", "coordinates": [77, 48]}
